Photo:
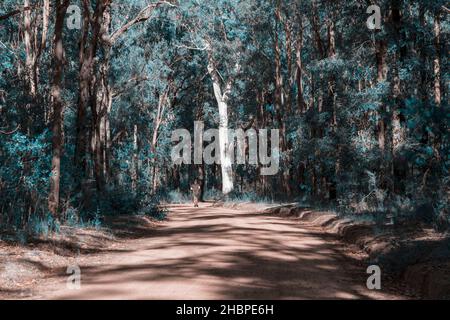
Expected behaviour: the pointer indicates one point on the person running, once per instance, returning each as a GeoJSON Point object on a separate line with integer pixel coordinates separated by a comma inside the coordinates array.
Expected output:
{"type": "Point", "coordinates": [196, 191]}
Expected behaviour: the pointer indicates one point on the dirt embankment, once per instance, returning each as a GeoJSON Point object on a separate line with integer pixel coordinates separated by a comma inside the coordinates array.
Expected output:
{"type": "Point", "coordinates": [417, 255]}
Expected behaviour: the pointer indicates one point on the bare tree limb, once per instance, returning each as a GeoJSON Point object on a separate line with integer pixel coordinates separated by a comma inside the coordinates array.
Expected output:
{"type": "Point", "coordinates": [18, 11]}
{"type": "Point", "coordinates": [142, 16]}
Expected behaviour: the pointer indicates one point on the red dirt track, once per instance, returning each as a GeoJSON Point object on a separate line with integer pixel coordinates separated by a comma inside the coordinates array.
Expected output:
{"type": "Point", "coordinates": [222, 253]}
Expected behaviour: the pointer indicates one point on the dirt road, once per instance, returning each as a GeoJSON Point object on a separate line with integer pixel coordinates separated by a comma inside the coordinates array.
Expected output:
{"type": "Point", "coordinates": [220, 253]}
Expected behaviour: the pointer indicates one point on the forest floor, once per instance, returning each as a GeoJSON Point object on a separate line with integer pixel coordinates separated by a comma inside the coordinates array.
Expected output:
{"type": "Point", "coordinates": [197, 253]}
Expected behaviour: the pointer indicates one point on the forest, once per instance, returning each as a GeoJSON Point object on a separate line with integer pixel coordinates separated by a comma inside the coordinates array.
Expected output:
{"type": "Point", "coordinates": [92, 91]}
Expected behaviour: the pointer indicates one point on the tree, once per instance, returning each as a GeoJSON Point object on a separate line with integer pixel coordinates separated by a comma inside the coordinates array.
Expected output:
{"type": "Point", "coordinates": [213, 28]}
{"type": "Point", "coordinates": [57, 107]}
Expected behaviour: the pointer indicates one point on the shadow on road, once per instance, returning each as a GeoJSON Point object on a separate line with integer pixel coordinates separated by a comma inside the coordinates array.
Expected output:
{"type": "Point", "coordinates": [217, 253]}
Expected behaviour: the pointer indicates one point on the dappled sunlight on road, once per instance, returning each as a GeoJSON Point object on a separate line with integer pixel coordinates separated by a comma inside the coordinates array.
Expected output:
{"type": "Point", "coordinates": [220, 253]}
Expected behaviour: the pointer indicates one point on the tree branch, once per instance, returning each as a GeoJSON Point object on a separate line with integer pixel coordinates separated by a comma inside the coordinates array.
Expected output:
{"type": "Point", "coordinates": [142, 16]}
{"type": "Point", "coordinates": [17, 11]}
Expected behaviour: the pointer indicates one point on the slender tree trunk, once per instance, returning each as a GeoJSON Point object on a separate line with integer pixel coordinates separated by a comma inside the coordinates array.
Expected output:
{"type": "Point", "coordinates": [381, 77]}
{"type": "Point", "coordinates": [45, 22]}
{"type": "Point", "coordinates": [316, 30]}
{"type": "Point", "coordinates": [88, 49]}
{"type": "Point", "coordinates": [162, 105]}
{"type": "Point", "coordinates": [58, 108]}
{"type": "Point", "coordinates": [331, 81]}
{"type": "Point", "coordinates": [423, 87]}
{"type": "Point", "coordinates": [299, 63]}
{"type": "Point", "coordinates": [332, 185]}
{"type": "Point", "coordinates": [33, 46]}
{"type": "Point", "coordinates": [153, 147]}
{"type": "Point", "coordinates": [104, 95]}
{"type": "Point", "coordinates": [280, 103]}
{"type": "Point", "coordinates": [279, 97]}
{"type": "Point", "coordinates": [30, 53]}
{"type": "Point", "coordinates": [288, 48]}
{"type": "Point", "coordinates": [437, 60]}
{"type": "Point", "coordinates": [134, 161]}
{"type": "Point", "coordinates": [397, 132]}
{"type": "Point", "coordinates": [89, 92]}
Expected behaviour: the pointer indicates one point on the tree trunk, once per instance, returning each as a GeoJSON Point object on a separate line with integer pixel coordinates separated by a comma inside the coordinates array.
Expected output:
{"type": "Point", "coordinates": [397, 132]}
{"type": "Point", "coordinates": [280, 103]}
{"type": "Point", "coordinates": [381, 77]}
{"type": "Point", "coordinates": [104, 95]}
{"type": "Point", "coordinates": [279, 97]}
{"type": "Point", "coordinates": [162, 104]}
{"type": "Point", "coordinates": [437, 60]}
{"type": "Point", "coordinates": [288, 48]}
{"type": "Point", "coordinates": [30, 52]}
{"type": "Point", "coordinates": [316, 30]}
{"type": "Point", "coordinates": [88, 50]}
{"type": "Point", "coordinates": [92, 92]}
{"type": "Point", "coordinates": [332, 185]}
{"type": "Point", "coordinates": [299, 62]}
{"type": "Point", "coordinates": [221, 98]}
{"type": "Point", "coordinates": [134, 160]}
{"type": "Point", "coordinates": [58, 108]}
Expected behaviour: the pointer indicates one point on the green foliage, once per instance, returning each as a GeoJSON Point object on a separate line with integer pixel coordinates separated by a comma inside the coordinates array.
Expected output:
{"type": "Point", "coordinates": [24, 176]}
{"type": "Point", "coordinates": [333, 154]}
{"type": "Point", "coordinates": [175, 196]}
{"type": "Point", "coordinates": [249, 196]}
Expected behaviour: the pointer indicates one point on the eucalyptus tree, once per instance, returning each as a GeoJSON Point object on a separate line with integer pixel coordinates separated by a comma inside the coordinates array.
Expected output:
{"type": "Point", "coordinates": [216, 28]}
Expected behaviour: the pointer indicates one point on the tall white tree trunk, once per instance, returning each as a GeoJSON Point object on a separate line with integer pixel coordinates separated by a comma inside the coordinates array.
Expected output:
{"type": "Point", "coordinates": [225, 156]}
{"type": "Point", "coordinates": [225, 159]}
{"type": "Point", "coordinates": [134, 164]}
